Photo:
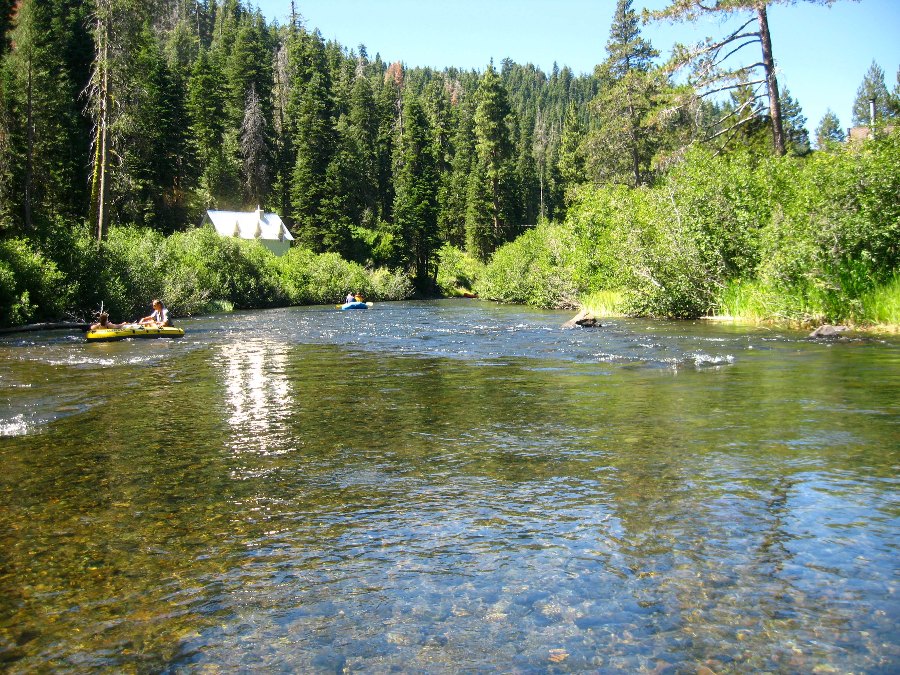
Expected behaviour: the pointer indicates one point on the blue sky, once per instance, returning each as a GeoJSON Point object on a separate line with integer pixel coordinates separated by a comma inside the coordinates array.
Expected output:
{"type": "Point", "coordinates": [822, 53]}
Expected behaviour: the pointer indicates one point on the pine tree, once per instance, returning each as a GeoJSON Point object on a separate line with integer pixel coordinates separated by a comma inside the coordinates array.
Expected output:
{"type": "Point", "coordinates": [255, 151]}
{"type": "Point", "coordinates": [527, 186]}
{"type": "Point", "coordinates": [872, 88]}
{"type": "Point", "coordinates": [570, 159]}
{"type": "Point", "coordinates": [829, 131]}
{"type": "Point", "coordinates": [795, 133]}
{"type": "Point", "coordinates": [711, 74]}
{"type": "Point", "coordinates": [6, 24]}
{"type": "Point", "coordinates": [310, 120]}
{"type": "Point", "coordinates": [895, 97]}
{"type": "Point", "coordinates": [362, 131]}
{"type": "Point", "coordinates": [151, 140]}
{"type": "Point", "coordinates": [47, 130]}
{"type": "Point", "coordinates": [494, 151]}
{"type": "Point", "coordinates": [205, 104]}
{"type": "Point", "coordinates": [621, 148]}
{"type": "Point", "coordinates": [416, 203]}
{"type": "Point", "coordinates": [454, 206]}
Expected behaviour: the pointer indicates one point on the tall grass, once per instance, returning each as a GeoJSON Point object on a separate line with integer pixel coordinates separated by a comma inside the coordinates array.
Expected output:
{"type": "Point", "coordinates": [882, 304]}
{"type": "Point", "coordinates": [604, 303]}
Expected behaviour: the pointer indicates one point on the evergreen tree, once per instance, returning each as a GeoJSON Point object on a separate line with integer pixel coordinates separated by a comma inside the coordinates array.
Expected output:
{"type": "Point", "coordinates": [621, 148]}
{"type": "Point", "coordinates": [6, 23]}
{"type": "Point", "coordinates": [711, 72]}
{"type": "Point", "coordinates": [742, 122]}
{"type": "Point", "coordinates": [151, 140]}
{"type": "Point", "coordinates": [571, 157]}
{"type": "Point", "coordinates": [7, 188]}
{"type": "Point", "coordinates": [829, 131]}
{"type": "Point", "coordinates": [416, 201]}
{"type": "Point", "coordinates": [872, 87]}
{"type": "Point", "coordinates": [527, 185]}
{"type": "Point", "coordinates": [795, 133]}
{"type": "Point", "coordinates": [45, 75]}
{"type": "Point", "coordinates": [453, 214]}
{"type": "Point", "coordinates": [206, 107]}
{"type": "Point", "coordinates": [362, 131]}
{"type": "Point", "coordinates": [310, 120]}
{"type": "Point", "coordinates": [255, 151]}
{"type": "Point", "coordinates": [895, 97]}
{"type": "Point", "coordinates": [481, 237]}
{"type": "Point", "coordinates": [494, 152]}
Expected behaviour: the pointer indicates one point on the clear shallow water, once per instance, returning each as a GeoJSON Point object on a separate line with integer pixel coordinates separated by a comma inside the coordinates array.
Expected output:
{"type": "Point", "coordinates": [449, 486]}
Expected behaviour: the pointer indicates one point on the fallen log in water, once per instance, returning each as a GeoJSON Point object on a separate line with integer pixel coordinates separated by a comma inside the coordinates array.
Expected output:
{"type": "Point", "coordinates": [584, 319]}
{"type": "Point", "coordinates": [59, 325]}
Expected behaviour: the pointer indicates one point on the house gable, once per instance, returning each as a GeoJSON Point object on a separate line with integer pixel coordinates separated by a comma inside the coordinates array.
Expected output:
{"type": "Point", "coordinates": [267, 228]}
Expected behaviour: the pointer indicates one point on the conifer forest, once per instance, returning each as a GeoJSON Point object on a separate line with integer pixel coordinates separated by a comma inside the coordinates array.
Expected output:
{"type": "Point", "coordinates": [658, 185]}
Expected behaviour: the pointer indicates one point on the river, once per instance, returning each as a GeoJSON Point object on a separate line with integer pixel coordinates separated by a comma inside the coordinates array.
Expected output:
{"type": "Point", "coordinates": [449, 486]}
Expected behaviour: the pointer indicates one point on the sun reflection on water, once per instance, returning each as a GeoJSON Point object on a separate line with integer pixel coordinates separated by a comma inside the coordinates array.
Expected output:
{"type": "Point", "coordinates": [258, 394]}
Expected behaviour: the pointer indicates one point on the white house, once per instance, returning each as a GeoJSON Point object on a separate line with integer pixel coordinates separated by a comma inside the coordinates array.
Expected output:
{"type": "Point", "coordinates": [267, 228]}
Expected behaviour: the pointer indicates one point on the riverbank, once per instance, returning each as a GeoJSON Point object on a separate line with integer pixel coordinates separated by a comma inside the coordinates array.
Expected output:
{"type": "Point", "coordinates": [610, 304]}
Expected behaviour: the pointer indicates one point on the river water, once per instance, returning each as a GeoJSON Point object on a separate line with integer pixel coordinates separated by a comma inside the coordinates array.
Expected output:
{"type": "Point", "coordinates": [449, 486]}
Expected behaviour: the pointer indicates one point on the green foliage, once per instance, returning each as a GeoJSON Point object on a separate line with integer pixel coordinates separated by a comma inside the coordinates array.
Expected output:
{"type": "Point", "coordinates": [202, 267]}
{"type": "Point", "coordinates": [837, 235]}
{"type": "Point", "coordinates": [603, 303]}
{"type": "Point", "coordinates": [458, 272]}
{"type": "Point", "coordinates": [31, 286]}
{"type": "Point", "coordinates": [535, 269]}
{"type": "Point", "coordinates": [416, 204]}
{"type": "Point", "coordinates": [800, 240]}
{"type": "Point", "coordinates": [829, 132]}
{"type": "Point", "coordinates": [872, 87]}
{"type": "Point", "coordinates": [308, 278]}
{"type": "Point", "coordinates": [881, 304]}
{"type": "Point", "coordinates": [192, 272]}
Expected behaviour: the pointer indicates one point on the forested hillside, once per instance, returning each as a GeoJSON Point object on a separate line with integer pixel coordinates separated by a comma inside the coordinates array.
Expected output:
{"type": "Point", "coordinates": [118, 113]}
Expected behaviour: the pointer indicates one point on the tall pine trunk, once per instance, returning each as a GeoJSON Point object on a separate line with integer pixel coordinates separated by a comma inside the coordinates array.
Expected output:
{"type": "Point", "coordinates": [771, 81]}
{"type": "Point", "coordinates": [29, 159]}
{"type": "Point", "coordinates": [99, 176]}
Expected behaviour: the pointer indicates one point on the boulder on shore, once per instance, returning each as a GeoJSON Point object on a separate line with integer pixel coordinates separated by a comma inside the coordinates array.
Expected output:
{"type": "Point", "coordinates": [827, 330]}
{"type": "Point", "coordinates": [584, 319]}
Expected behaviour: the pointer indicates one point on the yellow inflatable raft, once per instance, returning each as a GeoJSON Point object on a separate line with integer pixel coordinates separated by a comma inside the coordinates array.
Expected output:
{"type": "Point", "coordinates": [133, 330]}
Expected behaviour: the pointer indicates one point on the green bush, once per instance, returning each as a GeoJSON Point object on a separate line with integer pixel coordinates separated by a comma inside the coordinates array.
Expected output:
{"type": "Point", "coordinates": [390, 285]}
{"type": "Point", "coordinates": [31, 286]}
{"type": "Point", "coordinates": [131, 268]}
{"type": "Point", "coordinates": [798, 239]}
{"type": "Point", "coordinates": [457, 272]}
{"type": "Point", "coordinates": [834, 238]}
{"type": "Point", "coordinates": [646, 245]}
{"type": "Point", "coordinates": [536, 269]}
{"type": "Point", "coordinates": [311, 279]}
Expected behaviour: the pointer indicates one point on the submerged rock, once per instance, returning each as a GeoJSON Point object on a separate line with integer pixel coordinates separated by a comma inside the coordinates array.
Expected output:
{"type": "Point", "coordinates": [828, 330]}
{"type": "Point", "coordinates": [584, 319]}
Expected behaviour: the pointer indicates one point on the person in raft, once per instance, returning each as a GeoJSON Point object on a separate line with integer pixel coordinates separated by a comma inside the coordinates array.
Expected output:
{"type": "Point", "coordinates": [159, 317]}
{"type": "Point", "coordinates": [350, 298]}
{"type": "Point", "coordinates": [104, 322]}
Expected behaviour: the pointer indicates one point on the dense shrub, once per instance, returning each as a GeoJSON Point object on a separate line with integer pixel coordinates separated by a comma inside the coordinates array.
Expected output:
{"type": "Point", "coordinates": [640, 244]}
{"type": "Point", "coordinates": [798, 239]}
{"type": "Point", "coordinates": [192, 272]}
{"type": "Point", "coordinates": [31, 286]}
{"type": "Point", "coordinates": [536, 269]}
{"type": "Point", "coordinates": [458, 272]}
